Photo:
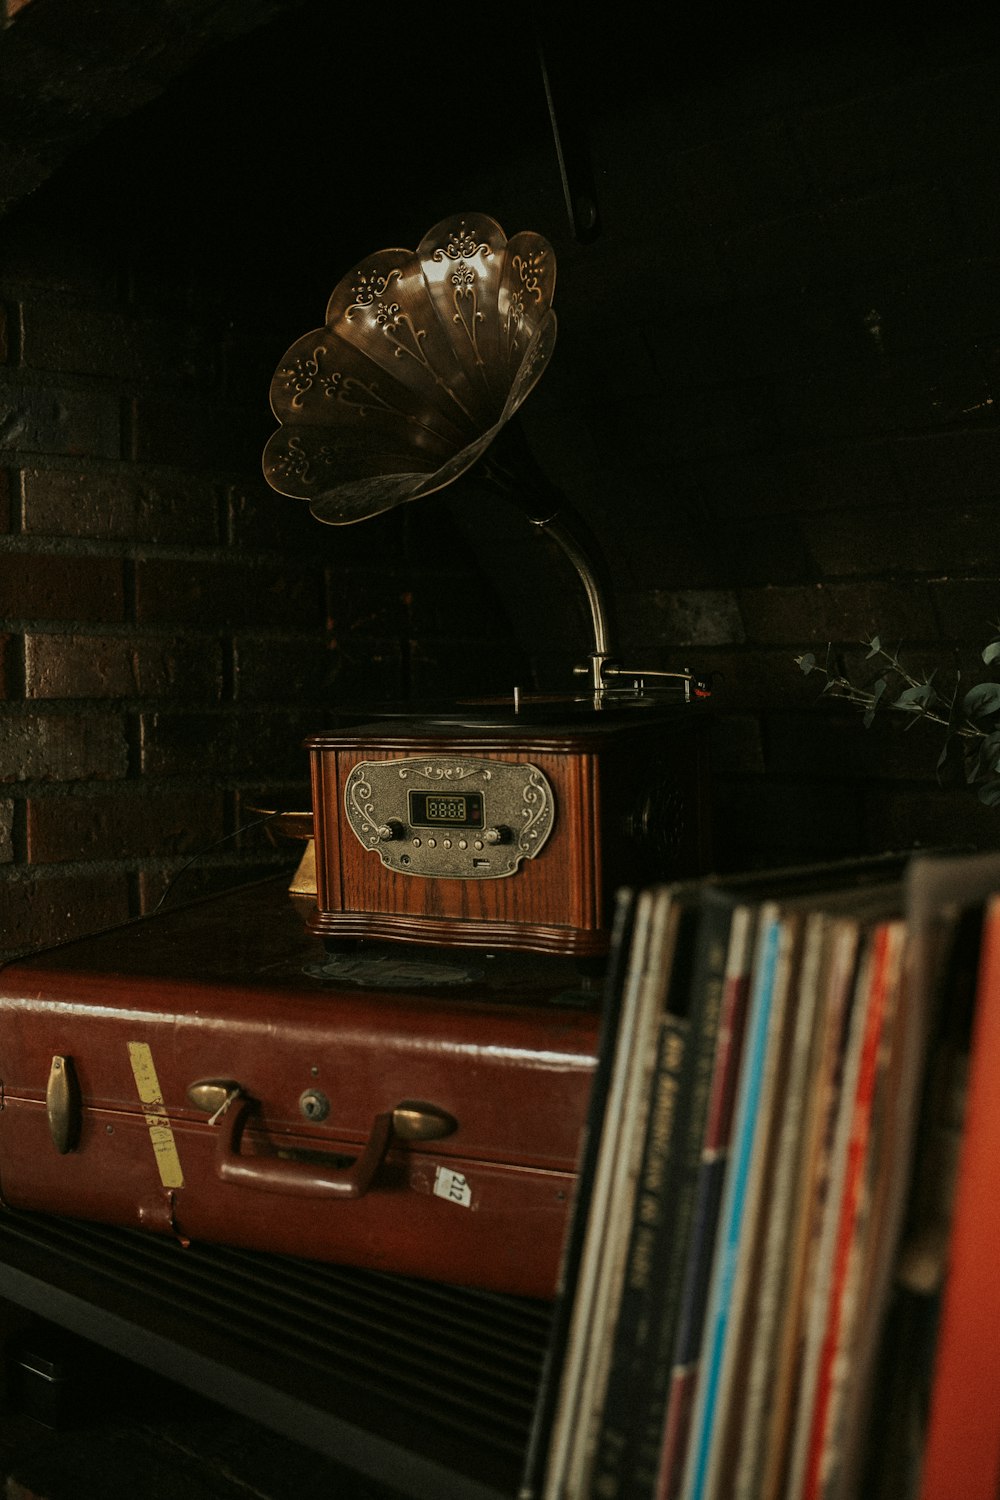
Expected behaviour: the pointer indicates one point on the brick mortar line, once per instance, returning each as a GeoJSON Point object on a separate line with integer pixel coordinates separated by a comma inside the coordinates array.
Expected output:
{"type": "Point", "coordinates": [27, 875]}
{"type": "Point", "coordinates": [136, 703]}
{"type": "Point", "coordinates": [40, 544]}
{"type": "Point", "coordinates": [148, 864]}
{"type": "Point", "coordinates": [20, 376]}
{"type": "Point", "coordinates": [70, 708]}
{"type": "Point", "coordinates": [134, 790]}
{"type": "Point", "coordinates": [167, 629]}
{"type": "Point", "coordinates": [239, 474]}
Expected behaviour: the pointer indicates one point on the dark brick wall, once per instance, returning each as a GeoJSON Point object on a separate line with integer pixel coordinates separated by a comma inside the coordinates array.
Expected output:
{"type": "Point", "coordinates": [122, 584]}
{"type": "Point", "coordinates": [777, 377]}
{"type": "Point", "coordinates": [170, 629]}
{"type": "Point", "coordinates": [772, 399]}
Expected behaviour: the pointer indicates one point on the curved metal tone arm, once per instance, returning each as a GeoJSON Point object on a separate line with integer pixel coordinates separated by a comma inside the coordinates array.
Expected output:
{"type": "Point", "coordinates": [571, 547]}
{"type": "Point", "coordinates": [611, 672]}
{"type": "Point", "coordinates": [513, 469]}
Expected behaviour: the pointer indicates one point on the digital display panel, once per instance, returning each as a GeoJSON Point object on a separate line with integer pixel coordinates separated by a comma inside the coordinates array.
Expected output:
{"type": "Point", "coordinates": [446, 809]}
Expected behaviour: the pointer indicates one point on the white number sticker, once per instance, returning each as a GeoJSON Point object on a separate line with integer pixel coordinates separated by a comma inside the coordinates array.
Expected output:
{"type": "Point", "coordinates": [453, 1186]}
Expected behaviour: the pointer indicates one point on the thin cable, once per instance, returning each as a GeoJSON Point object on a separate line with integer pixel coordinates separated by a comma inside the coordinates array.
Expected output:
{"type": "Point", "coordinates": [201, 855]}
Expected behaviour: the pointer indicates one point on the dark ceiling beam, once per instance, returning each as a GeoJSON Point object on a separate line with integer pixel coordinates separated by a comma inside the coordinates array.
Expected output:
{"type": "Point", "coordinates": [68, 68]}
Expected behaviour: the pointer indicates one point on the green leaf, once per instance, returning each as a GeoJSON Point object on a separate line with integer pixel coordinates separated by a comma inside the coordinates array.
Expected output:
{"type": "Point", "coordinates": [983, 760]}
{"type": "Point", "coordinates": [806, 662]}
{"type": "Point", "coordinates": [991, 652]}
{"type": "Point", "coordinates": [990, 793]}
{"type": "Point", "coordinates": [981, 700]}
{"type": "Point", "coordinates": [922, 693]}
{"type": "Point", "coordinates": [876, 646]}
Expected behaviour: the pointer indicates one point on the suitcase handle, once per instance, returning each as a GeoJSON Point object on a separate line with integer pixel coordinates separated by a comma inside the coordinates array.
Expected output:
{"type": "Point", "coordinates": [300, 1179]}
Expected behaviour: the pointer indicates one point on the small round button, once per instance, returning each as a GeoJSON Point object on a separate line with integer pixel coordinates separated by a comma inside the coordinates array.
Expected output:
{"type": "Point", "coordinates": [432, 843]}
{"type": "Point", "coordinates": [463, 844]}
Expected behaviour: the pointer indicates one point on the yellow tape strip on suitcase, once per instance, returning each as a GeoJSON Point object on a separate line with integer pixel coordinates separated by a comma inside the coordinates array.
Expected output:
{"type": "Point", "coordinates": [164, 1148]}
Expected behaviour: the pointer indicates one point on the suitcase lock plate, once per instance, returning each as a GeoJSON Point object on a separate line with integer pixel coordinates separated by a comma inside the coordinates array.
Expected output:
{"type": "Point", "coordinates": [412, 1120]}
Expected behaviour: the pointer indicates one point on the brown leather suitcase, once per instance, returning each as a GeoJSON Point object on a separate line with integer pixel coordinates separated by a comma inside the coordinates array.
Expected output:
{"type": "Point", "coordinates": [215, 1074]}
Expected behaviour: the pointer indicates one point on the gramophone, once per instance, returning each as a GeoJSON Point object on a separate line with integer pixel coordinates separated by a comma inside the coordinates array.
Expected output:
{"type": "Point", "coordinates": [504, 822]}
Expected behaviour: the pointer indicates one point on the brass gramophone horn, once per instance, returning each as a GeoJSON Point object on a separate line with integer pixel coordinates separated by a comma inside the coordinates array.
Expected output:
{"type": "Point", "coordinates": [424, 359]}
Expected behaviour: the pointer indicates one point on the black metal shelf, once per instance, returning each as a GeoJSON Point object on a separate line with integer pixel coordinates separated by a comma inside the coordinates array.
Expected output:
{"type": "Point", "coordinates": [427, 1389]}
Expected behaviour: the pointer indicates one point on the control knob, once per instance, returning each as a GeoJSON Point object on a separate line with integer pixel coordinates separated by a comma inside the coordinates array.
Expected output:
{"type": "Point", "coordinates": [393, 829]}
{"type": "Point", "coordinates": [497, 835]}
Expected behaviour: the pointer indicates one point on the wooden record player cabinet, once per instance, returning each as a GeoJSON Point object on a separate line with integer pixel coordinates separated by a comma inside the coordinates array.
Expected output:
{"type": "Point", "coordinates": [625, 802]}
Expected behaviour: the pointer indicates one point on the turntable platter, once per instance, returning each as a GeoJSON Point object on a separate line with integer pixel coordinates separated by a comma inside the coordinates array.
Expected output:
{"type": "Point", "coordinates": [538, 713]}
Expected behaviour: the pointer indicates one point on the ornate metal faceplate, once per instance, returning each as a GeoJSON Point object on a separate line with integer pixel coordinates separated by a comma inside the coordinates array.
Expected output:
{"type": "Point", "coordinates": [517, 808]}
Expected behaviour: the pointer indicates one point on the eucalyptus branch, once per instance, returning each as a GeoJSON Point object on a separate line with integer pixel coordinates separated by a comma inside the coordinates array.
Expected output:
{"type": "Point", "coordinates": [973, 717]}
{"type": "Point", "coordinates": [870, 698]}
